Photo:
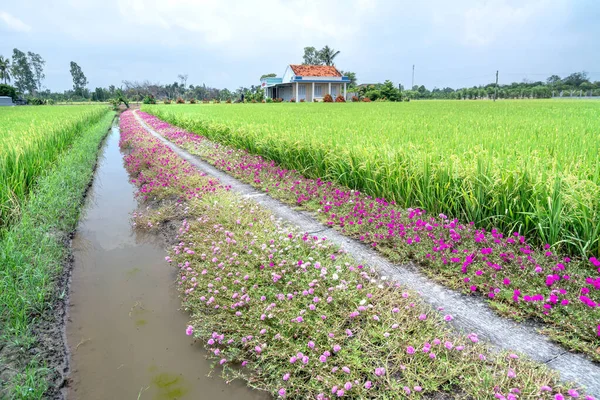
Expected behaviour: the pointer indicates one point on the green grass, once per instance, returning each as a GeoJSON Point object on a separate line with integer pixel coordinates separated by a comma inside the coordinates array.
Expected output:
{"type": "Point", "coordinates": [532, 167]}
{"type": "Point", "coordinates": [31, 139]}
{"type": "Point", "coordinates": [32, 255]}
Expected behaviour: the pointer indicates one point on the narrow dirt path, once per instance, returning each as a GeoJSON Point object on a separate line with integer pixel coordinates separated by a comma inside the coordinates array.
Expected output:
{"type": "Point", "coordinates": [470, 314]}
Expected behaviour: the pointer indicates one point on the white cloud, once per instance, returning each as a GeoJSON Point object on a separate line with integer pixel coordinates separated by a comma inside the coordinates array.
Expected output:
{"type": "Point", "coordinates": [13, 23]}
{"type": "Point", "coordinates": [246, 26]}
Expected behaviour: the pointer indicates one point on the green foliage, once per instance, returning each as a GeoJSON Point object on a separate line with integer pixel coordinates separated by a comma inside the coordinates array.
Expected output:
{"type": "Point", "coordinates": [149, 99]}
{"type": "Point", "coordinates": [325, 56]}
{"type": "Point", "coordinates": [271, 75]}
{"type": "Point", "coordinates": [22, 72]}
{"type": "Point", "coordinates": [79, 79]}
{"type": "Point", "coordinates": [7, 90]}
{"type": "Point", "coordinates": [35, 101]}
{"type": "Point", "coordinates": [5, 69]}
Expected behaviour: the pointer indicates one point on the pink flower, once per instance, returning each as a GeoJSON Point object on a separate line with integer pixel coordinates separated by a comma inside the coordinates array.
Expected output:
{"type": "Point", "coordinates": [311, 344]}
{"type": "Point", "coordinates": [423, 317]}
{"type": "Point", "coordinates": [258, 349]}
{"type": "Point", "coordinates": [282, 392]}
{"type": "Point", "coordinates": [379, 371]}
{"type": "Point", "coordinates": [448, 318]}
{"type": "Point", "coordinates": [368, 385]}
{"type": "Point", "coordinates": [346, 370]}
{"type": "Point", "coordinates": [573, 393]}
{"type": "Point", "coordinates": [286, 377]}
{"type": "Point", "coordinates": [323, 359]}
{"type": "Point", "coordinates": [336, 348]}
{"type": "Point", "coordinates": [340, 393]}
{"type": "Point", "coordinates": [190, 330]}
{"type": "Point", "coordinates": [223, 361]}
{"type": "Point", "coordinates": [410, 350]}
{"type": "Point", "coordinates": [348, 386]}
{"type": "Point", "coordinates": [511, 373]}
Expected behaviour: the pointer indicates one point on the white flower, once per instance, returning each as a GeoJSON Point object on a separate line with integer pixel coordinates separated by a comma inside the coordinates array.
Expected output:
{"type": "Point", "coordinates": [362, 302]}
{"type": "Point", "coordinates": [384, 278]}
{"type": "Point", "coordinates": [335, 277]}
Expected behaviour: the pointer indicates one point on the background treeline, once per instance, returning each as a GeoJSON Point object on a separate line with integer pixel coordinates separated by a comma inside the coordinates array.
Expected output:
{"type": "Point", "coordinates": [23, 75]}
{"type": "Point", "coordinates": [574, 85]}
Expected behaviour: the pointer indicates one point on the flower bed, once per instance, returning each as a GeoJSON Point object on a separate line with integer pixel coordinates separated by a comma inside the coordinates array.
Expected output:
{"type": "Point", "coordinates": [520, 281]}
{"type": "Point", "coordinates": [294, 315]}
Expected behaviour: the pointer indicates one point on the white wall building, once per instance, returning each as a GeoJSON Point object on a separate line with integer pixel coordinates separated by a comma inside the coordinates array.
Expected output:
{"type": "Point", "coordinates": [306, 82]}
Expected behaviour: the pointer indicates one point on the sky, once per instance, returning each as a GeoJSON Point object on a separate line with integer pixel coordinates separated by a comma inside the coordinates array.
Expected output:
{"type": "Point", "coordinates": [231, 43]}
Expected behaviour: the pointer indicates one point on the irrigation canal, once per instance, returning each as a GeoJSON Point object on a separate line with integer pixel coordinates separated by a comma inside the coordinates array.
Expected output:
{"type": "Point", "coordinates": [125, 332]}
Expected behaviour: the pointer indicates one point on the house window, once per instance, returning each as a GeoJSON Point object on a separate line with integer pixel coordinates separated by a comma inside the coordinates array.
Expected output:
{"type": "Point", "coordinates": [334, 90]}
{"type": "Point", "coordinates": [302, 92]}
{"type": "Point", "coordinates": [318, 91]}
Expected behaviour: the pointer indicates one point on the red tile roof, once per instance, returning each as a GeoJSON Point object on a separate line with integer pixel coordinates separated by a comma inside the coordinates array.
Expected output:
{"type": "Point", "coordinates": [315, 70]}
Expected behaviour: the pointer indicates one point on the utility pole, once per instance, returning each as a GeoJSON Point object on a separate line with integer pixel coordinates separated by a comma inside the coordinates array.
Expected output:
{"type": "Point", "coordinates": [413, 78]}
{"type": "Point", "coordinates": [496, 95]}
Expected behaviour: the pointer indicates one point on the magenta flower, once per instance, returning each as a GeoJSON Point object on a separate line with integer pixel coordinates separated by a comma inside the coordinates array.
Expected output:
{"type": "Point", "coordinates": [573, 393]}
{"type": "Point", "coordinates": [379, 371]}
{"type": "Point", "coordinates": [286, 376]}
{"type": "Point", "coordinates": [448, 318]}
{"type": "Point", "coordinates": [282, 392]}
{"type": "Point", "coordinates": [336, 348]}
{"type": "Point", "coordinates": [348, 386]}
{"type": "Point", "coordinates": [410, 350]}
{"type": "Point", "coordinates": [189, 330]}
{"type": "Point", "coordinates": [368, 385]}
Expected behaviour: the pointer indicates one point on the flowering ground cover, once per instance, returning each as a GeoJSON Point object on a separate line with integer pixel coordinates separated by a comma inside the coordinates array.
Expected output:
{"type": "Point", "coordinates": [519, 280]}
{"type": "Point", "coordinates": [530, 167]}
{"type": "Point", "coordinates": [294, 315]}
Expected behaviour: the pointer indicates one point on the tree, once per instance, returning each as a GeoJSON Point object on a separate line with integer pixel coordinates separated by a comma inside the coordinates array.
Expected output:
{"type": "Point", "coordinates": [327, 55]}
{"type": "Point", "coordinates": [37, 62]}
{"type": "Point", "coordinates": [7, 90]}
{"type": "Point", "coordinates": [271, 75]}
{"type": "Point", "coordinates": [351, 76]}
{"type": "Point", "coordinates": [4, 69]}
{"type": "Point", "coordinates": [576, 79]}
{"type": "Point", "coordinates": [79, 79]}
{"type": "Point", "coordinates": [553, 80]}
{"type": "Point", "coordinates": [22, 73]}
{"type": "Point", "coordinates": [183, 80]}
{"type": "Point", "coordinates": [312, 56]}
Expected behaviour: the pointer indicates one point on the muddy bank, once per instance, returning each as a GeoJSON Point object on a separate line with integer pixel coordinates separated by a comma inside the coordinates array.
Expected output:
{"type": "Point", "coordinates": [125, 333]}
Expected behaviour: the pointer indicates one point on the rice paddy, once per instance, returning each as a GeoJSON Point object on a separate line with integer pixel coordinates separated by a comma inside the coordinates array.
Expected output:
{"type": "Point", "coordinates": [527, 167]}
{"type": "Point", "coordinates": [31, 139]}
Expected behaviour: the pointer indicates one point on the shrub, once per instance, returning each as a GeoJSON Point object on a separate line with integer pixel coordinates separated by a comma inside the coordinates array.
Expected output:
{"type": "Point", "coordinates": [355, 99]}
{"type": "Point", "coordinates": [228, 101]}
{"type": "Point", "coordinates": [327, 98]}
{"type": "Point", "coordinates": [167, 101]}
{"type": "Point", "coordinates": [7, 90]}
{"type": "Point", "coordinates": [205, 101]}
{"type": "Point", "coordinates": [216, 101]}
{"type": "Point", "coordinates": [50, 102]}
{"type": "Point", "coordinates": [292, 100]}
{"type": "Point", "coordinates": [149, 99]}
{"type": "Point", "coordinates": [192, 101]}
{"type": "Point", "coordinates": [264, 101]}
{"type": "Point", "coordinates": [366, 100]}
{"type": "Point", "coordinates": [277, 100]}
{"type": "Point", "coordinates": [340, 99]}
{"type": "Point", "coordinates": [253, 101]}
{"type": "Point", "coordinates": [180, 101]}
{"type": "Point", "coordinates": [35, 101]}
{"type": "Point", "coordinates": [270, 100]}
{"type": "Point", "coordinates": [302, 100]}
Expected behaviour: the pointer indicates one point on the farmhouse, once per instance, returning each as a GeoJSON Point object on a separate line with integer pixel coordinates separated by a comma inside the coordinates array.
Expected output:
{"type": "Point", "coordinates": [306, 82]}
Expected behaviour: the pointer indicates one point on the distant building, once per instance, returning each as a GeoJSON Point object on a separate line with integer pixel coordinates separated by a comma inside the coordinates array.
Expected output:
{"type": "Point", "coordinates": [308, 82]}
{"type": "Point", "coordinates": [6, 101]}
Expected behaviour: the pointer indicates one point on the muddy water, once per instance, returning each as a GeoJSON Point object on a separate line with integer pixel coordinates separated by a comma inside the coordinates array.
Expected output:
{"type": "Point", "coordinates": [125, 333]}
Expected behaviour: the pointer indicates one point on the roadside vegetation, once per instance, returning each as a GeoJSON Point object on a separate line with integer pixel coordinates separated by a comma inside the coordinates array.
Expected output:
{"type": "Point", "coordinates": [295, 316]}
{"type": "Point", "coordinates": [52, 154]}
{"type": "Point", "coordinates": [519, 280]}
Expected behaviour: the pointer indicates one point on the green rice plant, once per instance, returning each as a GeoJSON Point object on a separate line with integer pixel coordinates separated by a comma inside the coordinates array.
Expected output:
{"type": "Point", "coordinates": [531, 167]}
{"type": "Point", "coordinates": [31, 139]}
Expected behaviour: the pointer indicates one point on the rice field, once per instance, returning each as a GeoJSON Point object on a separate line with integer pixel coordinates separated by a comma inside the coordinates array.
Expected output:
{"type": "Point", "coordinates": [31, 139]}
{"type": "Point", "coordinates": [527, 167]}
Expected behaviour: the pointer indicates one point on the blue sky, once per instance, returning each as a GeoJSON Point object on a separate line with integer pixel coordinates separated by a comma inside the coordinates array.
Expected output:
{"type": "Point", "coordinates": [230, 43]}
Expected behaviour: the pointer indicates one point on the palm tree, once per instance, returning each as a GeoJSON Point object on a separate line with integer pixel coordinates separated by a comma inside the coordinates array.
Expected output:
{"type": "Point", "coordinates": [328, 54]}
{"type": "Point", "coordinates": [4, 69]}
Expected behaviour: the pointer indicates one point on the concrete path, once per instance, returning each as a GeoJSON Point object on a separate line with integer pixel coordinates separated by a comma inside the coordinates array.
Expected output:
{"type": "Point", "coordinates": [470, 314]}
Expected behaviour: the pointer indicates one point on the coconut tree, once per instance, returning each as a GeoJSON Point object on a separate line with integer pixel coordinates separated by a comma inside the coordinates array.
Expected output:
{"type": "Point", "coordinates": [328, 54]}
{"type": "Point", "coordinates": [4, 69]}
